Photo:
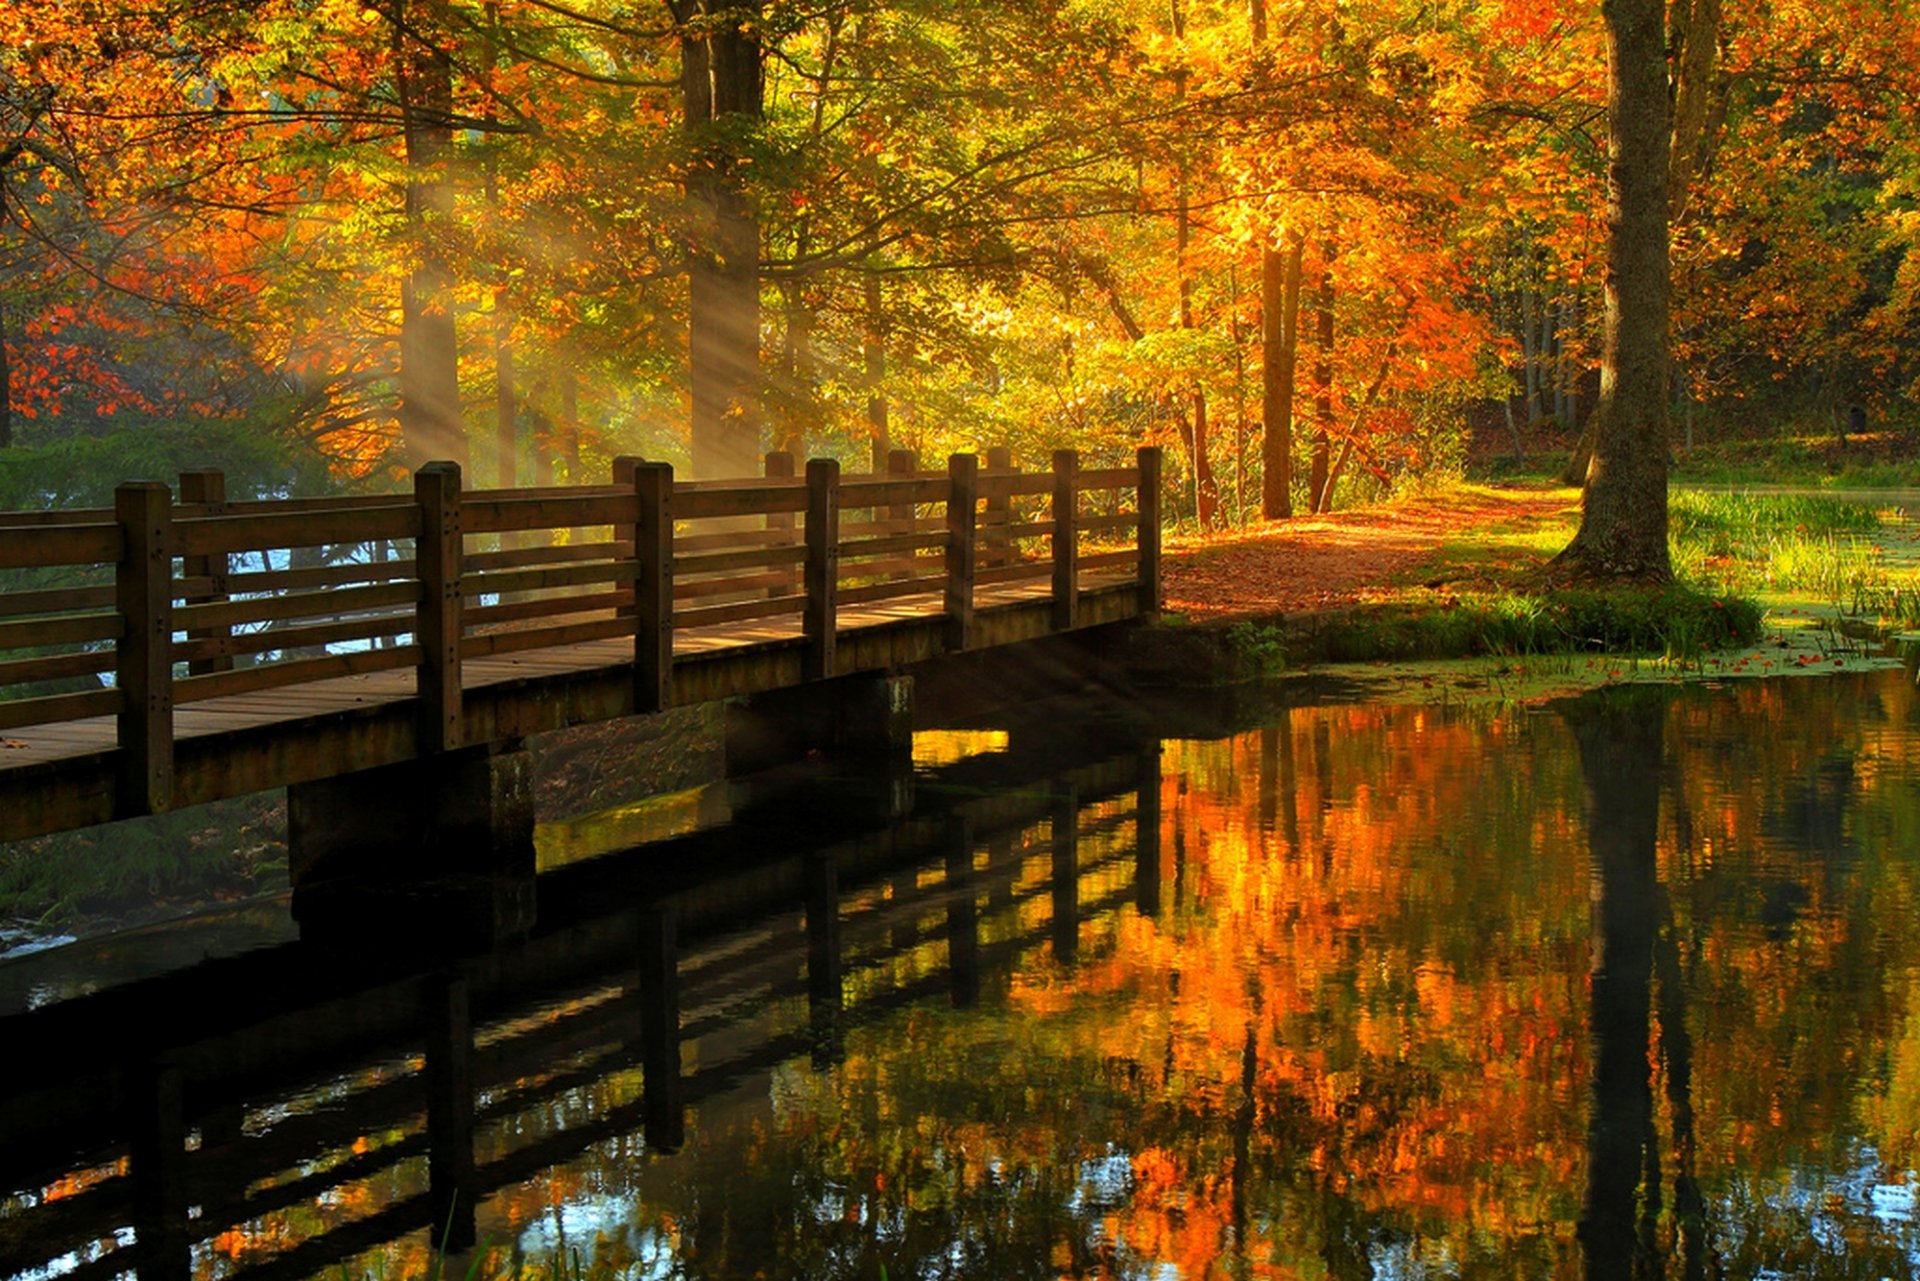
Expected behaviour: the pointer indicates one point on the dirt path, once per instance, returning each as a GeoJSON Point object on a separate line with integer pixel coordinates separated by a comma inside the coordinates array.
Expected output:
{"type": "Point", "coordinates": [1328, 562]}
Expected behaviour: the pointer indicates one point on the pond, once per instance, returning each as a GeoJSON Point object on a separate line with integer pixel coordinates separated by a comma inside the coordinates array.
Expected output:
{"type": "Point", "coordinates": [1620, 986]}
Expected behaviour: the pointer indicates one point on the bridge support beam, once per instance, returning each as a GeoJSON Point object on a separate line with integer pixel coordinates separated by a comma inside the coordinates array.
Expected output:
{"type": "Point", "coordinates": [435, 852]}
{"type": "Point", "coordinates": [865, 715]}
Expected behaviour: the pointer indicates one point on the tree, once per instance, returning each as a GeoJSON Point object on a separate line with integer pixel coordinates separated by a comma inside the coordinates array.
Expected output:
{"type": "Point", "coordinates": [1623, 524]}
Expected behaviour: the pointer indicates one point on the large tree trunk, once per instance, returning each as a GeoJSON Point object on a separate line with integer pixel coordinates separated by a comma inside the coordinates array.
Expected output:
{"type": "Point", "coordinates": [1280, 359]}
{"type": "Point", "coordinates": [1623, 527]}
{"type": "Point", "coordinates": [721, 90]}
{"type": "Point", "coordinates": [430, 422]}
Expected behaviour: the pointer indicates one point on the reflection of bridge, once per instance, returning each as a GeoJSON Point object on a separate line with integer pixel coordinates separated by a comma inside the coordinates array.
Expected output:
{"type": "Point", "coordinates": [189, 1105]}
{"type": "Point", "coordinates": [167, 654]}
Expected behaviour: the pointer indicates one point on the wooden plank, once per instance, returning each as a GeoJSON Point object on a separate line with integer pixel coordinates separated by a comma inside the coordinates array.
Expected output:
{"type": "Point", "coordinates": [207, 535]}
{"type": "Point", "coordinates": [437, 625]}
{"type": "Point", "coordinates": [494, 643]}
{"type": "Point", "coordinates": [298, 671]}
{"type": "Point", "coordinates": [684, 544]}
{"type": "Point", "coordinates": [733, 584]}
{"type": "Point", "coordinates": [1109, 560]}
{"type": "Point", "coordinates": [925, 585]}
{"type": "Point", "coordinates": [740, 498]}
{"type": "Point", "coordinates": [818, 622]}
{"type": "Point", "coordinates": [275, 580]}
{"type": "Point", "coordinates": [1016, 485]}
{"type": "Point", "coordinates": [782, 530]}
{"type": "Point", "coordinates": [573, 511]}
{"type": "Point", "coordinates": [73, 629]}
{"type": "Point", "coordinates": [365, 628]}
{"type": "Point", "coordinates": [1108, 478]}
{"type": "Point", "coordinates": [59, 707]}
{"type": "Point", "coordinates": [45, 516]}
{"type": "Point", "coordinates": [206, 490]}
{"type": "Point", "coordinates": [861, 547]}
{"type": "Point", "coordinates": [613, 489]}
{"type": "Point", "coordinates": [653, 622]}
{"type": "Point", "coordinates": [545, 578]}
{"type": "Point", "coordinates": [1019, 571]}
{"type": "Point", "coordinates": [28, 547]}
{"type": "Point", "coordinates": [143, 670]}
{"type": "Point", "coordinates": [327, 503]}
{"type": "Point", "coordinates": [1066, 539]}
{"type": "Point", "coordinates": [963, 479]}
{"type": "Point", "coordinates": [267, 609]}
{"type": "Point", "coordinates": [745, 558]}
{"type": "Point", "coordinates": [477, 617]}
{"type": "Point", "coordinates": [55, 600]}
{"type": "Point", "coordinates": [894, 493]}
{"type": "Point", "coordinates": [620, 548]}
{"type": "Point", "coordinates": [1149, 531]}
{"type": "Point", "coordinates": [997, 546]}
{"type": "Point", "coordinates": [710, 615]}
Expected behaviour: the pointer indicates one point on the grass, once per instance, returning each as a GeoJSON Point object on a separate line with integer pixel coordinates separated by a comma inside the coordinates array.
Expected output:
{"type": "Point", "coordinates": [1737, 557]}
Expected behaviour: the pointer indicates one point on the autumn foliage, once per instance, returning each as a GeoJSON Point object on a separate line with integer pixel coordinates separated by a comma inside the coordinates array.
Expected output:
{"type": "Point", "coordinates": [1065, 223]}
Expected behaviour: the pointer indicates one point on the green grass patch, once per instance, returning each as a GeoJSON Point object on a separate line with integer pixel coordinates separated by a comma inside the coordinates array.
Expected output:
{"type": "Point", "coordinates": [1679, 623]}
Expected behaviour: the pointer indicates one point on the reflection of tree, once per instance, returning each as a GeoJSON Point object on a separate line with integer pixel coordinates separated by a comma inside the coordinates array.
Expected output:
{"type": "Point", "coordinates": [1620, 759]}
{"type": "Point", "coordinates": [1620, 739]}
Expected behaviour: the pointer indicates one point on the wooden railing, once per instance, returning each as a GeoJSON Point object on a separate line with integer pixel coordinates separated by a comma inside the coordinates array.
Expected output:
{"type": "Point", "coordinates": [158, 603]}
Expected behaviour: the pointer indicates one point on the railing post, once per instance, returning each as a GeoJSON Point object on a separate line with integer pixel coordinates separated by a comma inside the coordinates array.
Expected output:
{"type": "Point", "coordinates": [143, 660]}
{"type": "Point", "coordinates": [653, 588]}
{"type": "Point", "coordinates": [901, 464]}
{"type": "Point", "coordinates": [963, 497]}
{"type": "Point", "coordinates": [823, 567]}
{"type": "Point", "coordinates": [780, 525]}
{"type": "Point", "coordinates": [206, 487]}
{"type": "Point", "coordinates": [999, 513]}
{"type": "Point", "coordinates": [1066, 539]}
{"type": "Point", "coordinates": [1148, 532]}
{"type": "Point", "coordinates": [627, 532]}
{"type": "Point", "coordinates": [437, 558]}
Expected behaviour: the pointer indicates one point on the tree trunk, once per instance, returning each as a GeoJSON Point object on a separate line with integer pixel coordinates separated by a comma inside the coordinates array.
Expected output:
{"type": "Point", "coordinates": [797, 374]}
{"type": "Point", "coordinates": [1529, 356]}
{"type": "Point", "coordinates": [569, 442]}
{"type": "Point", "coordinates": [1623, 526]}
{"type": "Point", "coordinates": [430, 422]}
{"type": "Point", "coordinates": [875, 373]}
{"type": "Point", "coordinates": [6, 393]}
{"type": "Point", "coordinates": [1206, 490]}
{"type": "Point", "coordinates": [1322, 385]}
{"type": "Point", "coordinates": [722, 89]}
{"type": "Point", "coordinates": [1280, 353]}
{"type": "Point", "coordinates": [506, 406]}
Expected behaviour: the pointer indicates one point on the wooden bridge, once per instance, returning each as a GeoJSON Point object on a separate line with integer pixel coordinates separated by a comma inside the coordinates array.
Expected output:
{"type": "Point", "coordinates": [177, 650]}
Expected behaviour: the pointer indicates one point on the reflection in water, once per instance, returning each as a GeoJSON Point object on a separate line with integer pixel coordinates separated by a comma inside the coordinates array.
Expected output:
{"type": "Point", "coordinates": [1622, 988]}
{"type": "Point", "coordinates": [1619, 738]}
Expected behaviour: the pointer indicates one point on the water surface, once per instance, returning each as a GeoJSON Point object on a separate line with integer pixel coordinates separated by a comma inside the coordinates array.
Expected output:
{"type": "Point", "coordinates": [1617, 987]}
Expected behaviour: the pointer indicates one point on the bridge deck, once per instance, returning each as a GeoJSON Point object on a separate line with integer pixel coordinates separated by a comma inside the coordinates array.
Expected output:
{"type": "Point", "coordinates": [64, 740]}
{"type": "Point", "coordinates": [480, 639]}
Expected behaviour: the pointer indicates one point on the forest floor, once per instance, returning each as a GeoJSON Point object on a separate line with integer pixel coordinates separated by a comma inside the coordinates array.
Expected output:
{"type": "Point", "coordinates": [1368, 555]}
